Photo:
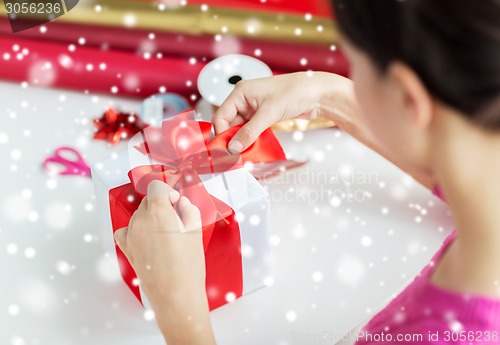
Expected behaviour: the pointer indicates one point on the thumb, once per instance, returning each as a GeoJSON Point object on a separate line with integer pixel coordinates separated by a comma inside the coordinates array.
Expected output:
{"type": "Point", "coordinates": [121, 238]}
{"type": "Point", "coordinates": [190, 215]}
{"type": "Point", "coordinates": [250, 131]}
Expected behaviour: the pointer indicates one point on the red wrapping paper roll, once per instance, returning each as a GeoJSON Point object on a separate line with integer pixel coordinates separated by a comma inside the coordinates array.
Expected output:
{"type": "Point", "coordinates": [319, 8]}
{"type": "Point", "coordinates": [282, 56]}
{"type": "Point", "coordinates": [122, 73]}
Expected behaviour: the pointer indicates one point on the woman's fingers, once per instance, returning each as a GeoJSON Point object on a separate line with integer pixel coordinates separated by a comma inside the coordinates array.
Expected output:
{"type": "Point", "coordinates": [120, 236]}
{"type": "Point", "coordinates": [189, 214]}
{"type": "Point", "coordinates": [143, 206]}
{"type": "Point", "coordinates": [225, 115]}
{"type": "Point", "coordinates": [237, 108]}
{"type": "Point", "coordinates": [243, 105]}
{"type": "Point", "coordinates": [162, 192]}
{"type": "Point", "coordinates": [246, 136]}
{"type": "Point", "coordinates": [160, 198]}
{"type": "Point", "coordinates": [161, 214]}
{"type": "Point", "coordinates": [238, 120]}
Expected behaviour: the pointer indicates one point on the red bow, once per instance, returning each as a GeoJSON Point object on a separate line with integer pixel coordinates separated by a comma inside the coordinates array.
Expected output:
{"type": "Point", "coordinates": [183, 151]}
{"type": "Point", "coordinates": [113, 126]}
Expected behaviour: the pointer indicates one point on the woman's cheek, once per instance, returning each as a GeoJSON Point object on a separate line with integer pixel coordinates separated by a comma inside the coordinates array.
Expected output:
{"type": "Point", "coordinates": [377, 112]}
{"type": "Point", "coordinates": [367, 96]}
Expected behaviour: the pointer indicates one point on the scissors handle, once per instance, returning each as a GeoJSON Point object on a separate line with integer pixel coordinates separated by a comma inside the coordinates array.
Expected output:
{"type": "Point", "coordinates": [61, 150]}
{"type": "Point", "coordinates": [71, 167]}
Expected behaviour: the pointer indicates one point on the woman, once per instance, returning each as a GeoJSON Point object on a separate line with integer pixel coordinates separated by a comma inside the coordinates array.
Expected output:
{"type": "Point", "coordinates": [426, 95]}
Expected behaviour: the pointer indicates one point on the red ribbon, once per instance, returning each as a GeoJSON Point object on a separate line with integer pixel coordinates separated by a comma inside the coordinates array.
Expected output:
{"type": "Point", "coordinates": [183, 148]}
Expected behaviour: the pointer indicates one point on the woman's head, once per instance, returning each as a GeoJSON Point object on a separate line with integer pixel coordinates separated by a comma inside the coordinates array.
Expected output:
{"type": "Point", "coordinates": [409, 55]}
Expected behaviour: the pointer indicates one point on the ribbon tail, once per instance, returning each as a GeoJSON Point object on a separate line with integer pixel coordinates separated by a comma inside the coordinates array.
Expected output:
{"type": "Point", "coordinates": [224, 263]}
{"type": "Point", "coordinates": [224, 211]}
{"type": "Point", "coordinates": [265, 149]}
{"type": "Point", "coordinates": [191, 186]}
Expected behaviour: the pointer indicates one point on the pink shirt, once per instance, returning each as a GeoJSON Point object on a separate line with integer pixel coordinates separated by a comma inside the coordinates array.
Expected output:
{"type": "Point", "coordinates": [424, 313]}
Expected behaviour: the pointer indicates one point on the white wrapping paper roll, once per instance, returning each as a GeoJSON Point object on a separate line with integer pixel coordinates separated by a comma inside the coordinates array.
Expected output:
{"type": "Point", "coordinates": [219, 77]}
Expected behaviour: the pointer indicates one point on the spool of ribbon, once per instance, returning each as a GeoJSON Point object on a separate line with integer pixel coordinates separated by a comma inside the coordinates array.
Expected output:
{"type": "Point", "coordinates": [219, 77]}
{"type": "Point", "coordinates": [162, 106]}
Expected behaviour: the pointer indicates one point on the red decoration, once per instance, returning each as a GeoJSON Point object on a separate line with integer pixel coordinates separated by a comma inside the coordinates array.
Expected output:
{"type": "Point", "coordinates": [113, 126]}
{"type": "Point", "coordinates": [71, 73]}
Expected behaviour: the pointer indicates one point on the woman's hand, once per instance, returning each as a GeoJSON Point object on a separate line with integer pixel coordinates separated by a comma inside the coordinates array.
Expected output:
{"type": "Point", "coordinates": [166, 251]}
{"type": "Point", "coordinates": [260, 103]}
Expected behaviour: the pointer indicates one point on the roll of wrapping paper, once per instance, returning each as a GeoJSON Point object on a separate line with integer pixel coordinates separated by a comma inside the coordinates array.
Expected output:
{"type": "Point", "coordinates": [213, 20]}
{"type": "Point", "coordinates": [282, 56]}
{"type": "Point", "coordinates": [299, 124]}
{"type": "Point", "coordinates": [94, 70]}
{"type": "Point", "coordinates": [317, 8]}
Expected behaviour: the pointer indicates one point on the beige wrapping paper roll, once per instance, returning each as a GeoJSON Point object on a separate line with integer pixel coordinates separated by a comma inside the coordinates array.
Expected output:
{"type": "Point", "coordinates": [299, 124]}
{"type": "Point", "coordinates": [214, 20]}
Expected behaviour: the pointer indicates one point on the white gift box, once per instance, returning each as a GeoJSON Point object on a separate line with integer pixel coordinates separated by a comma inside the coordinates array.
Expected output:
{"type": "Point", "coordinates": [237, 188]}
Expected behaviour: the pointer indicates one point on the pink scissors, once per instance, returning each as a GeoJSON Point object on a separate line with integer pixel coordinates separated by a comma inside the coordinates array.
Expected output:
{"type": "Point", "coordinates": [76, 166]}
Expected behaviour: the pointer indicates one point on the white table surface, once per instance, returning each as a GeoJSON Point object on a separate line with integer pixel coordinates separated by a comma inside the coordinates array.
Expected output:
{"type": "Point", "coordinates": [334, 262]}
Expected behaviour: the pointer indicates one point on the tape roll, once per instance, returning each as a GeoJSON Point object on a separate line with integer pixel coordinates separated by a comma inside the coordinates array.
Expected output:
{"type": "Point", "coordinates": [219, 77]}
{"type": "Point", "coordinates": [161, 106]}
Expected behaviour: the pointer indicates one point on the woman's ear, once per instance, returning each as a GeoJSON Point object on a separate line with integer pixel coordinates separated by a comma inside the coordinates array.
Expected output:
{"type": "Point", "coordinates": [414, 96]}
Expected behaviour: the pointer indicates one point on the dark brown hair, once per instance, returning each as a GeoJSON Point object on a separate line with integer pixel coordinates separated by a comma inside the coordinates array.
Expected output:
{"type": "Point", "coordinates": [453, 45]}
